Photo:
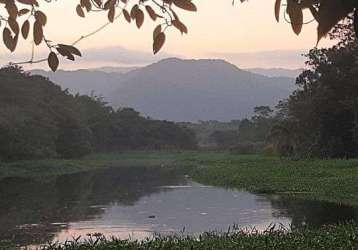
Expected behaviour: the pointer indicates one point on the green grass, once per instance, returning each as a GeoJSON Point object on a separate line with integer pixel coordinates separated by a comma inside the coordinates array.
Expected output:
{"type": "Point", "coordinates": [43, 169]}
{"type": "Point", "coordinates": [329, 180]}
{"type": "Point", "coordinates": [342, 236]}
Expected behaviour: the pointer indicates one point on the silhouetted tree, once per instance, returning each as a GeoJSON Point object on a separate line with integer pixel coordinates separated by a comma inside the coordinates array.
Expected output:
{"type": "Point", "coordinates": [322, 112]}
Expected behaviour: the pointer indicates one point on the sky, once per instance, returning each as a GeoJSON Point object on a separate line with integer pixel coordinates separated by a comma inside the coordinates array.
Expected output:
{"type": "Point", "coordinates": [245, 34]}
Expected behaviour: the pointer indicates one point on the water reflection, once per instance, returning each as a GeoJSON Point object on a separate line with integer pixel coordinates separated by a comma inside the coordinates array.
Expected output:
{"type": "Point", "coordinates": [312, 213]}
{"type": "Point", "coordinates": [34, 212]}
{"type": "Point", "coordinates": [139, 201]}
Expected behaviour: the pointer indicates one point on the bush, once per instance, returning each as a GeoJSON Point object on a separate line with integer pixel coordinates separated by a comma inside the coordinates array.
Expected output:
{"type": "Point", "coordinates": [247, 148]}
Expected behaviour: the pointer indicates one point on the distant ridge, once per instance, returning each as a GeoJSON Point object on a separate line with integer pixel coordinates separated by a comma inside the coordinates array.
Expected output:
{"type": "Point", "coordinates": [205, 89]}
{"type": "Point", "coordinates": [276, 72]}
{"type": "Point", "coordinates": [180, 90]}
{"type": "Point", "coordinates": [110, 69]}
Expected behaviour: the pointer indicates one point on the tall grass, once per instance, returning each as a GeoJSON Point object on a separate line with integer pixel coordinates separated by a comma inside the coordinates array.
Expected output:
{"type": "Point", "coordinates": [343, 236]}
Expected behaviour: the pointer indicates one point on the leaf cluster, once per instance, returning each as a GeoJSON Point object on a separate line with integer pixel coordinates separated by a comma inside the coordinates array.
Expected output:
{"type": "Point", "coordinates": [327, 13]}
{"type": "Point", "coordinates": [22, 16]}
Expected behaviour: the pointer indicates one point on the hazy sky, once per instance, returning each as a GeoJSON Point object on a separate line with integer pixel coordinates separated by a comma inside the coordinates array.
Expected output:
{"type": "Point", "coordinates": [218, 29]}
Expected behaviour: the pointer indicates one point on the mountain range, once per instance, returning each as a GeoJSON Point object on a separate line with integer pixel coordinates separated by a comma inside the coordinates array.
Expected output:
{"type": "Point", "coordinates": [179, 90]}
{"type": "Point", "coordinates": [276, 72]}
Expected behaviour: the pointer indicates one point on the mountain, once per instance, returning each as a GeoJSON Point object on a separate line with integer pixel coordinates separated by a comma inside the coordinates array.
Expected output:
{"type": "Point", "coordinates": [84, 81]}
{"type": "Point", "coordinates": [180, 90]}
{"type": "Point", "coordinates": [109, 69]}
{"type": "Point", "coordinates": [191, 90]}
{"type": "Point", "coordinates": [276, 72]}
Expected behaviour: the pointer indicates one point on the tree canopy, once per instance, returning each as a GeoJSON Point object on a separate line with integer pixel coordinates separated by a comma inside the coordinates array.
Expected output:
{"type": "Point", "coordinates": [320, 118]}
{"type": "Point", "coordinates": [20, 17]}
{"type": "Point", "coordinates": [38, 119]}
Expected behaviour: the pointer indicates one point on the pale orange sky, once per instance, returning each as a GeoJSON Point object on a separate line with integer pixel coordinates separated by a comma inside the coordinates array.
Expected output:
{"type": "Point", "coordinates": [216, 30]}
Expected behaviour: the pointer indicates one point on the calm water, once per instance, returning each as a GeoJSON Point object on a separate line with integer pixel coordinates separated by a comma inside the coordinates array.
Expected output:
{"type": "Point", "coordinates": [137, 202]}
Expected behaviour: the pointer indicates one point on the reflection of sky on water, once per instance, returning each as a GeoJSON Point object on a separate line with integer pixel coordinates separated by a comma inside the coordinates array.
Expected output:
{"type": "Point", "coordinates": [192, 208]}
{"type": "Point", "coordinates": [137, 202]}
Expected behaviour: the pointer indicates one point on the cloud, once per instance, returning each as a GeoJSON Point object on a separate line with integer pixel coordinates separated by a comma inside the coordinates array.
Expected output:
{"type": "Point", "coordinates": [123, 56]}
{"type": "Point", "coordinates": [94, 57]}
{"type": "Point", "coordinates": [120, 56]}
{"type": "Point", "coordinates": [266, 59]}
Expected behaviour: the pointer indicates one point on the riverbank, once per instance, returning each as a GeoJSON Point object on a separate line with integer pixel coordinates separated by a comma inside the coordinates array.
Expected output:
{"type": "Point", "coordinates": [48, 169]}
{"type": "Point", "coordinates": [331, 180]}
{"type": "Point", "coordinates": [328, 180]}
{"type": "Point", "coordinates": [342, 236]}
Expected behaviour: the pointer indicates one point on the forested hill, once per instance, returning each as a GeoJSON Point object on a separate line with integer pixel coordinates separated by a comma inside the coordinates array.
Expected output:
{"type": "Point", "coordinates": [38, 119]}
{"type": "Point", "coordinates": [181, 90]}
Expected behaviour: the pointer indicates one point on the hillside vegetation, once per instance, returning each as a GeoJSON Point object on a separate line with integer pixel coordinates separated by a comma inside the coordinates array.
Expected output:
{"type": "Point", "coordinates": [40, 120]}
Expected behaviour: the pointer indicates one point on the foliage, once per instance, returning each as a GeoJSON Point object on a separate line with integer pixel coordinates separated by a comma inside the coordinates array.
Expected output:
{"type": "Point", "coordinates": [241, 136]}
{"type": "Point", "coordinates": [39, 120]}
{"type": "Point", "coordinates": [326, 12]}
{"type": "Point", "coordinates": [320, 118]}
{"type": "Point", "coordinates": [204, 130]}
{"type": "Point", "coordinates": [224, 139]}
{"type": "Point", "coordinates": [256, 128]}
{"type": "Point", "coordinates": [328, 180]}
{"type": "Point", "coordinates": [340, 236]}
{"type": "Point", "coordinates": [32, 115]}
{"type": "Point", "coordinates": [48, 169]}
{"type": "Point", "coordinates": [21, 16]}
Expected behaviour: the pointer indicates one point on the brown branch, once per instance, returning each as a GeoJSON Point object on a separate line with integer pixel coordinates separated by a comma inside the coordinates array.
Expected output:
{"type": "Point", "coordinates": [102, 27]}
{"type": "Point", "coordinates": [165, 9]}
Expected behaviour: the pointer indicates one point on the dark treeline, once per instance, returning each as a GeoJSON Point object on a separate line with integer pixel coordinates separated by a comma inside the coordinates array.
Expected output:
{"type": "Point", "coordinates": [320, 119]}
{"type": "Point", "coordinates": [241, 136]}
{"type": "Point", "coordinates": [38, 119]}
